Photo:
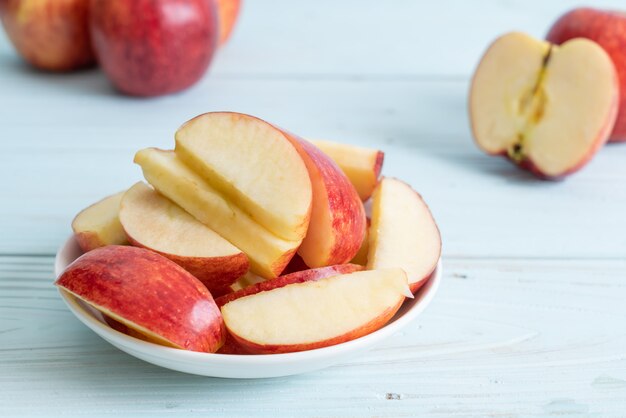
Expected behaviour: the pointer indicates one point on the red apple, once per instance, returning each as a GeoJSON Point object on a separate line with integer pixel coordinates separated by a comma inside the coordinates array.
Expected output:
{"type": "Point", "coordinates": [51, 35]}
{"type": "Point", "coordinates": [608, 29]}
{"type": "Point", "coordinates": [297, 277]}
{"type": "Point", "coordinates": [228, 11]}
{"type": "Point", "coordinates": [547, 108]}
{"type": "Point", "coordinates": [154, 47]}
{"type": "Point", "coordinates": [148, 293]}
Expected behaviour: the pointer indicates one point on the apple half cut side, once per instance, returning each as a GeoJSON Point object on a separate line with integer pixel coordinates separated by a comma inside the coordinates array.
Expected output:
{"type": "Point", "coordinates": [547, 108]}
{"type": "Point", "coordinates": [337, 224]}
{"type": "Point", "coordinates": [148, 293]}
{"type": "Point", "coordinates": [403, 233]}
{"type": "Point", "coordinates": [281, 281]}
{"type": "Point", "coordinates": [315, 314]}
{"type": "Point", "coordinates": [250, 163]}
{"type": "Point", "coordinates": [267, 254]}
{"type": "Point", "coordinates": [361, 165]}
{"type": "Point", "coordinates": [154, 222]}
{"type": "Point", "coordinates": [99, 225]}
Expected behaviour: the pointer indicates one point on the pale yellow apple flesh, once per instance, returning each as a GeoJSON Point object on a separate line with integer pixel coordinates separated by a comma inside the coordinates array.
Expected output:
{"type": "Point", "coordinates": [316, 314]}
{"type": "Point", "coordinates": [251, 163]}
{"type": "Point", "coordinates": [152, 221]}
{"type": "Point", "coordinates": [403, 233]}
{"type": "Point", "coordinates": [268, 254]}
{"type": "Point", "coordinates": [99, 225]}
{"type": "Point", "coordinates": [361, 165]}
{"type": "Point", "coordinates": [547, 107]}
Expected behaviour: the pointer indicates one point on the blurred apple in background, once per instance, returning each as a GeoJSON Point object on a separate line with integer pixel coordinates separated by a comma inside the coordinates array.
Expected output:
{"type": "Point", "coordinates": [154, 47]}
{"type": "Point", "coordinates": [228, 10]}
{"type": "Point", "coordinates": [608, 29]}
{"type": "Point", "coordinates": [49, 34]}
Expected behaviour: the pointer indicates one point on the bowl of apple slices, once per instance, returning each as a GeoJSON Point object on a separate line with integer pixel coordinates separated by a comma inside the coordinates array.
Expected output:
{"type": "Point", "coordinates": [249, 253]}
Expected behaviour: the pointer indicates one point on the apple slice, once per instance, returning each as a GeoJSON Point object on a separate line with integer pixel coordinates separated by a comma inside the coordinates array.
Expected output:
{"type": "Point", "coordinates": [148, 293]}
{"type": "Point", "coordinates": [361, 165]}
{"type": "Point", "coordinates": [267, 254]}
{"type": "Point", "coordinates": [361, 257]}
{"type": "Point", "coordinates": [99, 224]}
{"type": "Point", "coordinates": [297, 277]}
{"type": "Point", "coordinates": [547, 108]}
{"type": "Point", "coordinates": [253, 165]}
{"type": "Point", "coordinates": [154, 222]}
{"type": "Point", "coordinates": [315, 314]}
{"type": "Point", "coordinates": [337, 225]}
{"type": "Point", "coordinates": [403, 233]}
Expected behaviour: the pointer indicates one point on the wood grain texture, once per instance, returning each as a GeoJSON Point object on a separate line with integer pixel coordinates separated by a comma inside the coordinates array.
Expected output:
{"type": "Point", "coordinates": [529, 321]}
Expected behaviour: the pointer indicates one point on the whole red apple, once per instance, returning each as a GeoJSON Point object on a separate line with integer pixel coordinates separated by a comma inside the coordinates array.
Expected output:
{"type": "Point", "coordinates": [228, 11]}
{"type": "Point", "coordinates": [154, 47]}
{"type": "Point", "coordinates": [608, 29]}
{"type": "Point", "coordinates": [51, 35]}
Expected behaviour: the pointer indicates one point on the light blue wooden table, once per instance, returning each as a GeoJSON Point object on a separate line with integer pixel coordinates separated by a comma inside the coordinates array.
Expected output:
{"type": "Point", "coordinates": [530, 319]}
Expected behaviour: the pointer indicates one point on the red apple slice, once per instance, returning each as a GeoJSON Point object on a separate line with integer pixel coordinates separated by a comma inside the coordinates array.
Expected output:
{"type": "Point", "coordinates": [267, 254]}
{"type": "Point", "coordinates": [337, 225]}
{"type": "Point", "coordinates": [154, 222]}
{"type": "Point", "coordinates": [148, 293]}
{"type": "Point", "coordinates": [361, 165]}
{"type": "Point", "coordinates": [547, 108]}
{"type": "Point", "coordinates": [99, 224]}
{"type": "Point", "coordinates": [403, 233]}
{"type": "Point", "coordinates": [315, 314]}
{"type": "Point", "coordinates": [251, 163]}
{"type": "Point", "coordinates": [296, 277]}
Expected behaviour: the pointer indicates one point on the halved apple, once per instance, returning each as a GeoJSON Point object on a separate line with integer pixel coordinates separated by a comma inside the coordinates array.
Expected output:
{"type": "Point", "coordinates": [337, 225]}
{"type": "Point", "coordinates": [361, 165]}
{"type": "Point", "coordinates": [315, 314]}
{"type": "Point", "coordinates": [281, 281]}
{"type": "Point", "coordinates": [148, 293]}
{"type": "Point", "coordinates": [251, 163]}
{"type": "Point", "coordinates": [154, 222]}
{"type": "Point", "coordinates": [268, 255]}
{"type": "Point", "coordinates": [403, 233]}
{"type": "Point", "coordinates": [99, 225]}
{"type": "Point", "coordinates": [547, 108]}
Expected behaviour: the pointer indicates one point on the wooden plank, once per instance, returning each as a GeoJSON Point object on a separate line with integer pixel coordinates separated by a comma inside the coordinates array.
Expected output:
{"type": "Point", "coordinates": [503, 338]}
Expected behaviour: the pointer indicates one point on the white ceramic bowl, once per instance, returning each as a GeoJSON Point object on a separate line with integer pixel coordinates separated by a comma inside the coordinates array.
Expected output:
{"type": "Point", "coordinates": [239, 366]}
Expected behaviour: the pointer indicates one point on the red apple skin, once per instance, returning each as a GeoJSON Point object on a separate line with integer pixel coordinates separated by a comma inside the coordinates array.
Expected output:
{"type": "Point", "coordinates": [347, 213]}
{"type": "Point", "coordinates": [373, 325]}
{"type": "Point", "coordinates": [296, 277]}
{"type": "Point", "coordinates": [51, 35]}
{"type": "Point", "coordinates": [149, 290]}
{"type": "Point", "coordinates": [228, 11]}
{"type": "Point", "coordinates": [216, 276]}
{"type": "Point", "coordinates": [608, 29]}
{"type": "Point", "coordinates": [154, 47]}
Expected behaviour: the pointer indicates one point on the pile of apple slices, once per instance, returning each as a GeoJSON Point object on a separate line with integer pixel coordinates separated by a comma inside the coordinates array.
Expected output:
{"type": "Point", "coordinates": [273, 226]}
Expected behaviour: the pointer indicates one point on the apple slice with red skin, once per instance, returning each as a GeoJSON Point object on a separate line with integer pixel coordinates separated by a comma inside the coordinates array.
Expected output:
{"type": "Point", "coordinates": [361, 165]}
{"type": "Point", "coordinates": [99, 224]}
{"type": "Point", "coordinates": [547, 108]}
{"type": "Point", "coordinates": [403, 233]}
{"type": "Point", "coordinates": [148, 293]}
{"type": "Point", "coordinates": [337, 225]}
{"type": "Point", "coordinates": [608, 29]}
{"type": "Point", "coordinates": [154, 222]}
{"type": "Point", "coordinates": [296, 277]}
{"type": "Point", "coordinates": [316, 314]}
